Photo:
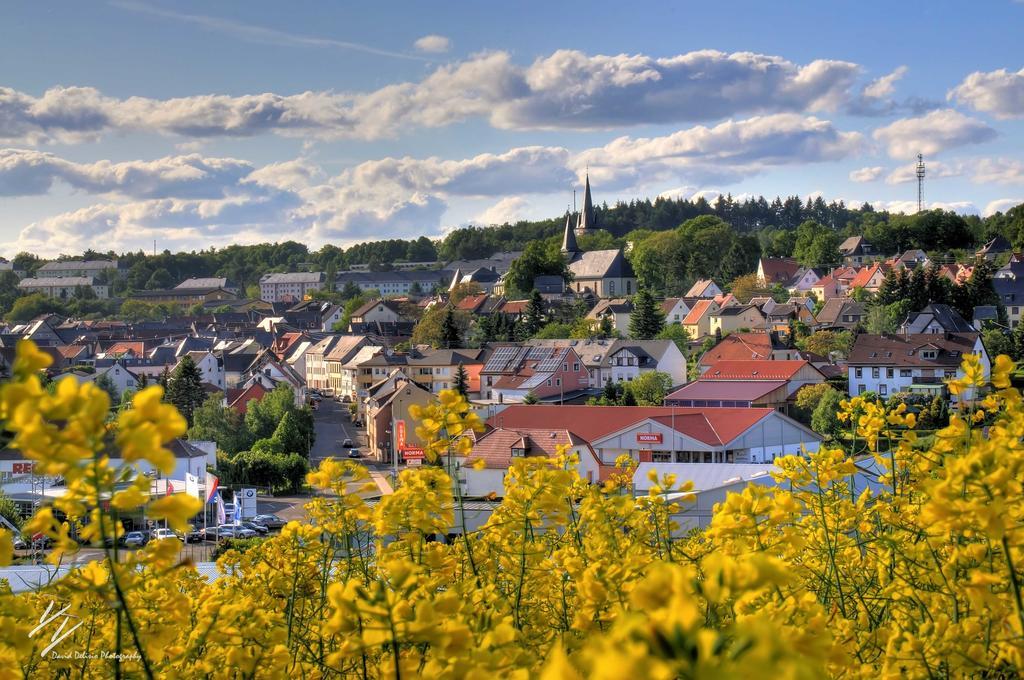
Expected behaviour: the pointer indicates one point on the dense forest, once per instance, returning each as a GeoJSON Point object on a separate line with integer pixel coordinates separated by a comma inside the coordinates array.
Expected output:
{"type": "Point", "coordinates": [725, 247]}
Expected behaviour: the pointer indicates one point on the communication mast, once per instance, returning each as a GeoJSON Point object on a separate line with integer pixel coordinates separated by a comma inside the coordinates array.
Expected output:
{"type": "Point", "coordinates": [920, 182]}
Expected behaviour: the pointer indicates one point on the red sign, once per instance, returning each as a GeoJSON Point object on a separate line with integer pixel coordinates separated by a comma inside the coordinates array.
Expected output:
{"type": "Point", "coordinates": [649, 437]}
{"type": "Point", "coordinates": [400, 434]}
{"type": "Point", "coordinates": [412, 453]}
{"type": "Point", "coordinates": [22, 468]}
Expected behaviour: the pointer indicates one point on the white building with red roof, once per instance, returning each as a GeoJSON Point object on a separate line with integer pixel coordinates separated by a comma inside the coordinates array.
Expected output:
{"type": "Point", "coordinates": [667, 434]}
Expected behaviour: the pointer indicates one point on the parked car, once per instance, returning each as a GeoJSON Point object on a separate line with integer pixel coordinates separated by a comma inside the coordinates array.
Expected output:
{"type": "Point", "coordinates": [20, 543]}
{"type": "Point", "coordinates": [193, 535]}
{"type": "Point", "coordinates": [160, 534]}
{"type": "Point", "coordinates": [238, 531]}
{"type": "Point", "coordinates": [347, 444]}
{"type": "Point", "coordinates": [211, 533]}
{"type": "Point", "coordinates": [269, 521]}
{"type": "Point", "coordinates": [134, 539]}
{"type": "Point", "coordinates": [354, 453]}
{"type": "Point", "coordinates": [258, 528]}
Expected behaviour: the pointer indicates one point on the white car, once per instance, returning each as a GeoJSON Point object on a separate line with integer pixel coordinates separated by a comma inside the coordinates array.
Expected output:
{"type": "Point", "coordinates": [159, 534]}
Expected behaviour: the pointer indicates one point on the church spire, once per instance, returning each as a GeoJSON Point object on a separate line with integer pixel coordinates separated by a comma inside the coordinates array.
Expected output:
{"type": "Point", "coordinates": [586, 220]}
{"type": "Point", "coordinates": [569, 246]}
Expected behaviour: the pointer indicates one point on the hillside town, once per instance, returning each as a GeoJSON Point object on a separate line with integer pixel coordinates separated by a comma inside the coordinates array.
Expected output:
{"type": "Point", "coordinates": [730, 373]}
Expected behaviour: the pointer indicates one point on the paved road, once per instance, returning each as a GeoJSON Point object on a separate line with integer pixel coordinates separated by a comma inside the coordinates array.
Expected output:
{"type": "Point", "coordinates": [333, 427]}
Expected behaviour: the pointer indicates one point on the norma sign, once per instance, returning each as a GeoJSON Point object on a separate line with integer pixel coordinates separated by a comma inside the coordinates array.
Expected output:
{"type": "Point", "coordinates": [400, 434]}
{"type": "Point", "coordinates": [413, 454]}
{"type": "Point", "coordinates": [22, 468]}
{"type": "Point", "coordinates": [649, 437]}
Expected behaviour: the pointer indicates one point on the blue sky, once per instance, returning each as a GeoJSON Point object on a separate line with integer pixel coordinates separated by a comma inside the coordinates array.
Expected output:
{"type": "Point", "coordinates": [204, 124]}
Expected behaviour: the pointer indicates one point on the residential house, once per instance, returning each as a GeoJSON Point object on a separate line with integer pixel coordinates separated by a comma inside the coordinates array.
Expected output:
{"type": "Point", "coordinates": [777, 270]}
{"type": "Point", "coordinates": [63, 287]}
{"type": "Point", "coordinates": [390, 426]}
{"type": "Point", "coordinates": [211, 367]}
{"type": "Point", "coordinates": [208, 283]}
{"type": "Point", "coordinates": [675, 310]}
{"type": "Point", "coordinates": [985, 315]}
{"type": "Point", "coordinates": [291, 286]}
{"type": "Point", "coordinates": [396, 282]}
{"type": "Point", "coordinates": [500, 447]}
{"type": "Point", "coordinates": [80, 268]}
{"type": "Point", "coordinates": [184, 297]}
{"type": "Point", "coordinates": [618, 311]}
{"type": "Point", "coordinates": [118, 375]}
{"type": "Point", "coordinates": [994, 248]}
{"type": "Point", "coordinates": [795, 373]}
{"type": "Point", "coordinates": [698, 322]}
{"type": "Point", "coordinates": [436, 369]}
{"type": "Point", "coordinates": [669, 434]}
{"type": "Point", "coordinates": [856, 251]}
{"type": "Point", "coordinates": [869, 278]}
{"type": "Point", "coordinates": [1009, 285]}
{"type": "Point", "coordinates": [704, 288]}
{"type": "Point", "coordinates": [781, 316]}
{"type": "Point", "coordinates": [828, 286]}
{"type": "Point", "coordinates": [622, 360]}
{"type": "Point", "coordinates": [840, 313]}
{"type": "Point", "coordinates": [386, 311]}
{"type": "Point", "coordinates": [548, 373]}
{"type": "Point", "coordinates": [339, 355]}
{"type": "Point", "coordinates": [238, 398]}
{"type": "Point", "coordinates": [357, 376]}
{"type": "Point", "coordinates": [935, 318]}
{"type": "Point", "coordinates": [919, 364]}
{"type": "Point", "coordinates": [735, 318]}
{"type": "Point", "coordinates": [911, 259]}
{"type": "Point", "coordinates": [316, 365]}
{"type": "Point", "coordinates": [756, 346]}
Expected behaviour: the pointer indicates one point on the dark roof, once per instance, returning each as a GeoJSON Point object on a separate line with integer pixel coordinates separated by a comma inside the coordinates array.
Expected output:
{"type": "Point", "coordinates": [945, 316]}
{"type": "Point", "coordinates": [735, 310]}
{"type": "Point", "coordinates": [599, 264]}
{"type": "Point", "coordinates": [835, 308]}
{"type": "Point", "coordinates": [905, 350]}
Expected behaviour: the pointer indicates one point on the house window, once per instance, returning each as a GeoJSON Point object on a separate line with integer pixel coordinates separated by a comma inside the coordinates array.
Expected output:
{"type": "Point", "coordinates": [549, 382]}
{"type": "Point", "coordinates": [861, 388]}
{"type": "Point", "coordinates": [904, 372]}
{"type": "Point", "coordinates": [558, 382]}
{"type": "Point", "coordinates": [518, 452]}
{"type": "Point", "coordinates": [611, 288]}
{"type": "Point", "coordinates": [888, 372]}
{"type": "Point", "coordinates": [883, 389]}
{"type": "Point", "coordinates": [576, 367]}
{"type": "Point", "coordinates": [874, 372]}
{"type": "Point", "coordinates": [859, 372]}
{"type": "Point", "coordinates": [950, 375]}
{"type": "Point", "coordinates": [565, 367]}
{"type": "Point", "coordinates": [927, 354]}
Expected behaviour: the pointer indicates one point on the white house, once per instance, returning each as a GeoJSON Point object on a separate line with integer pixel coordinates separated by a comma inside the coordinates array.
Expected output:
{"type": "Point", "coordinates": [211, 368]}
{"type": "Point", "coordinates": [921, 363]}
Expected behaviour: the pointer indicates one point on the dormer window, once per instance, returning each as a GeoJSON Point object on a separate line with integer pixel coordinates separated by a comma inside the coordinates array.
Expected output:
{"type": "Point", "coordinates": [928, 354]}
{"type": "Point", "coordinates": [518, 452]}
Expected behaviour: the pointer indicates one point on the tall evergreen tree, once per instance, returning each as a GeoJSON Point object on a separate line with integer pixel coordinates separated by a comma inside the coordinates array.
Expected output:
{"type": "Point", "coordinates": [185, 388]}
{"type": "Point", "coordinates": [461, 383]}
{"type": "Point", "coordinates": [533, 316]}
{"type": "Point", "coordinates": [647, 319]}
{"type": "Point", "coordinates": [450, 337]}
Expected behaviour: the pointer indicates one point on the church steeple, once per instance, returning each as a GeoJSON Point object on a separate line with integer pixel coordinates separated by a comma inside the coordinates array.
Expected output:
{"type": "Point", "coordinates": [586, 222]}
{"type": "Point", "coordinates": [569, 246]}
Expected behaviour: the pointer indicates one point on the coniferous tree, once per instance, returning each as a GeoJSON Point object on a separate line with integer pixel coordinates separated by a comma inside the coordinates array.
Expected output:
{"type": "Point", "coordinates": [185, 388]}
{"type": "Point", "coordinates": [450, 337]}
{"type": "Point", "coordinates": [647, 319]}
{"type": "Point", "coordinates": [164, 380]}
{"type": "Point", "coordinates": [533, 316]}
{"type": "Point", "coordinates": [461, 383]}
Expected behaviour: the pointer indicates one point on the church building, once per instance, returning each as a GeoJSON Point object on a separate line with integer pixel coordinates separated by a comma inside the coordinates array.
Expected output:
{"type": "Point", "coordinates": [605, 273]}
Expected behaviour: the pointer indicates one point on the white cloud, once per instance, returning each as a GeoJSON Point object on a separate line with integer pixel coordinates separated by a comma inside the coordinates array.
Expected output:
{"type": "Point", "coordinates": [565, 90]}
{"type": "Point", "coordinates": [677, 193]}
{"type": "Point", "coordinates": [433, 44]}
{"type": "Point", "coordinates": [884, 86]}
{"type": "Point", "coordinates": [910, 207]}
{"type": "Point", "coordinates": [931, 133]}
{"type": "Point", "coordinates": [998, 171]}
{"type": "Point", "coordinates": [727, 151]}
{"type": "Point", "coordinates": [27, 172]}
{"type": "Point", "coordinates": [1001, 205]}
{"type": "Point", "coordinates": [866, 174]}
{"type": "Point", "coordinates": [933, 170]}
{"type": "Point", "coordinates": [1000, 92]}
{"type": "Point", "coordinates": [508, 210]}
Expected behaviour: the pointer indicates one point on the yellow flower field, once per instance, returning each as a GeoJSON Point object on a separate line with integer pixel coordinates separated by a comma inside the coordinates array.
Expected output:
{"type": "Point", "coordinates": [807, 579]}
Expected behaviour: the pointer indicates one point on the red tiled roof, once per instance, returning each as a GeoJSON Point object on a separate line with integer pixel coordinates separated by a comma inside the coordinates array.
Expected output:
{"type": "Point", "coordinates": [778, 269]}
{"type": "Point", "coordinates": [668, 304]}
{"type": "Point", "coordinates": [514, 306]}
{"type": "Point", "coordinates": [698, 311]}
{"type": "Point", "coordinates": [495, 447]}
{"type": "Point", "coordinates": [239, 399]}
{"type": "Point", "coordinates": [712, 426]}
{"type": "Point", "coordinates": [754, 370]}
{"type": "Point", "coordinates": [472, 303]}
{"type": "Point", "coordinates": [119, 348]}
{"type": "Point", "coordinates": [739, 347]}
{"type": "Point", "coordinates": [70, 351]}
{"type": "Point", "coordinates": [864, 275]}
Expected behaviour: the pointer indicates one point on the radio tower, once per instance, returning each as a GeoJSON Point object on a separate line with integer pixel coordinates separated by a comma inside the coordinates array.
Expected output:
{"type": "Point", "coordinates": [920, 182]}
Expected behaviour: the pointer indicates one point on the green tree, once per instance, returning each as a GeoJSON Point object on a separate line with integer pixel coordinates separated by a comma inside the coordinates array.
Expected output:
{"type": "Point", "coordinates": [825, 420]}
{"type": "Point", "coordinates": [221, 424]}
{"type": "Point", "coordinates": [461, 383]}
{"type": "Point", "coordinates": [649, 389]}
{"type": "Point", "coordinates": [647, 319]}
{"type": "Point", "coordinates": [185, 388]}
{"type": "Point", "coordinates": [538, 259]}
{"type": "Point", "coordinates": [289, 436]}
{"type": "Point", "coordinates": [30, 306]}
{"type": "Point", "coordinates": [159, 279]}
{"type": "Point", "coordinates": [997, 341]}
{"type": "Point", "coordinates": [807, 399]}
{"type": "Point", "coordinates": [9, 511]}
{"type": "Point", "coordinates": [451, 336]}
{"type": "Point", "coordinates": [107, 385]}
{"type": "Point", "coordinates": [429, 331]}
{"type": "Point", "coordinates": [531, 398]}
{"type": "Point", "coordinates": [533, 316]}
{"type": "Point", "coordinates": [677, 334]}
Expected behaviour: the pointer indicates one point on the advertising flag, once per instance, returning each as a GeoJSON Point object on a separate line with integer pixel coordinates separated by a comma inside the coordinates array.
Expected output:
{"type": "Point", "coordinates": [220, 510]}
{"type": "Point", "coordinates": [211, 486]}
